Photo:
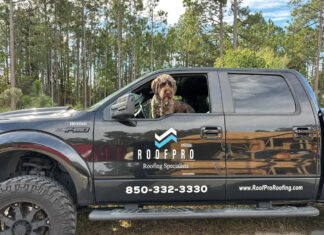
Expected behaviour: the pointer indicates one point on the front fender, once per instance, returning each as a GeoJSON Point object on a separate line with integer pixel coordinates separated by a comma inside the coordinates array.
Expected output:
{"type": "Point", "coordinates": [57, 149]}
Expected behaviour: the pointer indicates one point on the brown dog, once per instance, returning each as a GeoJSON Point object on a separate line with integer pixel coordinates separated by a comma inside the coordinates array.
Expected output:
{"type": "Point", "coordinates": [164, 88]}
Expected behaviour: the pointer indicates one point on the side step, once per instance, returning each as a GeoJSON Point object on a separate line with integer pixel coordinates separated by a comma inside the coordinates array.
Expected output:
{"type": "Point", "coordinates": [186, 213]}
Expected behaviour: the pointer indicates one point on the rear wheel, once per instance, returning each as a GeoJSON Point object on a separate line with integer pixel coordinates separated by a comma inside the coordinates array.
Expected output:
{"type": "Point", "coordinates": [34, 205]}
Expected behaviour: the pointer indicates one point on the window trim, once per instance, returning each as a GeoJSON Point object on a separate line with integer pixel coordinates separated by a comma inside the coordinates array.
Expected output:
{"type": "Point", "coordinates": [228, 101]}
{"type": "Point", "coordinates": [209, 75]}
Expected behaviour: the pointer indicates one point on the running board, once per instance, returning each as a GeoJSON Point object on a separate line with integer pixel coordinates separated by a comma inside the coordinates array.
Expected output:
{"type": "Point", "coordinates": [186, 213]}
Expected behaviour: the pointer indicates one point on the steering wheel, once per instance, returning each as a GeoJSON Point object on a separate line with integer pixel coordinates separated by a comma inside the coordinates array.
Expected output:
{"type": "Point", "coordinates": [140, 112]}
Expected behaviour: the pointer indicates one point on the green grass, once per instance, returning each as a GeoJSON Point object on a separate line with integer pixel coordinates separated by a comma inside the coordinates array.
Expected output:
{"type": "Point", "coordinates": [302, 225]}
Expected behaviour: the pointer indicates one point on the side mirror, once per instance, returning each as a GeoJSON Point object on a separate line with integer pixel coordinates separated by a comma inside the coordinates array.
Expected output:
{"type": "Point", "coordinates": [124, 107]}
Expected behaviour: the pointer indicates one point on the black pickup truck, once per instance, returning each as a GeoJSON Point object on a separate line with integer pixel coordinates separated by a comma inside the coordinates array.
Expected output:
{"type": "Point", "coordinates": [255, 139]}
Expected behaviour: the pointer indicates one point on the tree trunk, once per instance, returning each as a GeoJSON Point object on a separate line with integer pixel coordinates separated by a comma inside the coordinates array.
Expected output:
{"type": "Point", "coordinates": [67, 70]}
{"type": "Point", "coordinates": [54, 78]}
{"type": "Point", "coordinates": [311, 76]}
{"type": "Point", "coordinates": [55, 67]}
{"type": "Point", "coordinates": [7, 46]}
{"type": "Point", "coordinates": [84, 62]}
{"type": "Point", "coordinates": [119, 36]}
{"type": "Point", "coordinates": [78, 71]}
{"type": "Point", "coordinates": [59, 64]}
{"type": "Point", "coordinates": [319, 48]}
{"type": "Point", "coordinates": [48, 52]}
{"type": "Point", "coordinates": [221, 16]}
{"type": "Point", "coordinates": [235, 24]}
{"type": "Point", "coordinates": [134, 61]}
{"type": "Point", "coordinates": [133, 72]}
{"type": "Point", "coordinates": [152, 42]}
{"type": "Point", "coordinates": [90, 77]}
{"type": "Point", "coordinates": [125, 75]}
{"type": "Point", "coordinates": [12, 55]}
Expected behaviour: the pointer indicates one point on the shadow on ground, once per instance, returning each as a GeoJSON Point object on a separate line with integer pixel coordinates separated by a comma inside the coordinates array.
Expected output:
{"type": "Point", "coordinates": [287, 226]}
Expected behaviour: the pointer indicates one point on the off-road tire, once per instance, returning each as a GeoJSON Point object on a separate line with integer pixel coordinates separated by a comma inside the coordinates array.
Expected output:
{"type": "Point", "coordinates": [44, 193]}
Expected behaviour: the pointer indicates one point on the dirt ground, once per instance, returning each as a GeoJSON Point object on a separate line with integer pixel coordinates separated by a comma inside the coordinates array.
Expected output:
{"type": "Point", "coordinates": [287, 226]}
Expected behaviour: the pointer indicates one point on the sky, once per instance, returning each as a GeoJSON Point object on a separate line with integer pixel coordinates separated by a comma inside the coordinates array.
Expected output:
{"type": "Point", "coordinates": [276, 10]}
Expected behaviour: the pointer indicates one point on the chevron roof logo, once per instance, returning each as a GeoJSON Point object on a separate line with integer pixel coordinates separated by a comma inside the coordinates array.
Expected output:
{"type": "Point", "coordinates": [166, 137]}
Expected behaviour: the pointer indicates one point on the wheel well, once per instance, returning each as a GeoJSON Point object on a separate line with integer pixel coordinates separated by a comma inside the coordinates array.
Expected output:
{"type": "Point", "coordinates": [24, 162]}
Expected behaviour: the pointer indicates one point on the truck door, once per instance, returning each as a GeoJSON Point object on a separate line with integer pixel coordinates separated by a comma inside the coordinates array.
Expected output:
{"type": "Point", "coordinates": [178, 157]}
{"type": "Point", "coordinates": [271, 137]}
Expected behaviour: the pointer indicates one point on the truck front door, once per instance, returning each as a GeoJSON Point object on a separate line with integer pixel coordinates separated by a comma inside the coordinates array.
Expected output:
{"type": "Point", "coordinates": [178, 157]}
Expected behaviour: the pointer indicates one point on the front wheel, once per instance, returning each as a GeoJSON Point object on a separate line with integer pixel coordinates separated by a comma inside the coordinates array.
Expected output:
{"type": "Point", "coordinates": [34, 205]}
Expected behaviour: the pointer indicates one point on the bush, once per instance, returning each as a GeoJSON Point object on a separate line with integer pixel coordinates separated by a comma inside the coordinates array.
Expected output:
{"type": "Point", "coordinates": [272, 60]}
{"type": "Point", "coordinates": [12, 92]}
{"type": "Point", "coordinates": [245, 58]}
{"type": "Point", "coordinates": [26, 101]}
{"type": "Point", "coordinates": [37, 88]}
{"type": "Point", "coordinates": [41, 101]}
{"type": "Point", "coordinates": [241, 58]}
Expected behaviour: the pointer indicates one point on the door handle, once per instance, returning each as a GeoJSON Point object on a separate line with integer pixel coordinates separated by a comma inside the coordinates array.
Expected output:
{"type": "Point", "coordinates": [211, 132]}
{"type": "Point", "coordinates": [303, 133]}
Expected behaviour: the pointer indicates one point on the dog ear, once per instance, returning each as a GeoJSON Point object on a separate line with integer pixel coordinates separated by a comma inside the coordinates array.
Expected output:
{"type": "Point", "coordinates": [154, 85]}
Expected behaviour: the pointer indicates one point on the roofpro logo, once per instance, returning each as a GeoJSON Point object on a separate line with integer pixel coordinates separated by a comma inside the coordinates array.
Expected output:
{"type": "Point", "coordinates": [180, 151]}
{"type": "Point", "coordinates": [165, 138]}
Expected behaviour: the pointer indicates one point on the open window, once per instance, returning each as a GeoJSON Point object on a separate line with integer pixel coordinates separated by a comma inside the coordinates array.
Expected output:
{"type": "Point", "coordinates": [191, 89]}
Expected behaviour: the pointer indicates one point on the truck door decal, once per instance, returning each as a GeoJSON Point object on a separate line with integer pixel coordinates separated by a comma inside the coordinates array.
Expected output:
{"type": "Point", "coordinates": [161, 140]}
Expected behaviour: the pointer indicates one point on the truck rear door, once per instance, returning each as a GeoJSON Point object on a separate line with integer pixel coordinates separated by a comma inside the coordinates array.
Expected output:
{"type": "Point", "coordinates": [271, 136]}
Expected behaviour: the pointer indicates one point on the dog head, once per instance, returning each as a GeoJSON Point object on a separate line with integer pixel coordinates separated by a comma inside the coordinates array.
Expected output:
{"type": "Point", "coordinates": [164, 86]}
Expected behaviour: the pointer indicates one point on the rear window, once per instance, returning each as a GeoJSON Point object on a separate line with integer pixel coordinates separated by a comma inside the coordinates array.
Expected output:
{"type": "Point", "coordinates": [261, 94]}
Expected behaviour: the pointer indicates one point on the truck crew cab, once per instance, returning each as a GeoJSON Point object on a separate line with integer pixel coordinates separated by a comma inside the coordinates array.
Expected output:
{"type": "Point", "coordinates": [255, 138]}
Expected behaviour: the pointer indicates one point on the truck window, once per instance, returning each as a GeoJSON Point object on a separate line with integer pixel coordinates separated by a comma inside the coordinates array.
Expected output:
{"type": "Point", "coordinates": [192, 89]}
{"type": "Point", "coordinates": [261, 94]}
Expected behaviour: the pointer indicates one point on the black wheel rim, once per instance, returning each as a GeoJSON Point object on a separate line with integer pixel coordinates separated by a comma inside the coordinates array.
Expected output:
{"type": "Point", "coordinates": [23, 218]}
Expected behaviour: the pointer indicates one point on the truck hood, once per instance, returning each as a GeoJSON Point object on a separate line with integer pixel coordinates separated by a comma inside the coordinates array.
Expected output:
{"type": "Point", "coordinates": [36, 112]}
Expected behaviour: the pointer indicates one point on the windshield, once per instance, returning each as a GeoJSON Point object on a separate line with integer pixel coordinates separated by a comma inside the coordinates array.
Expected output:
{"type": "Point", "coordinates": [96, 105]}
